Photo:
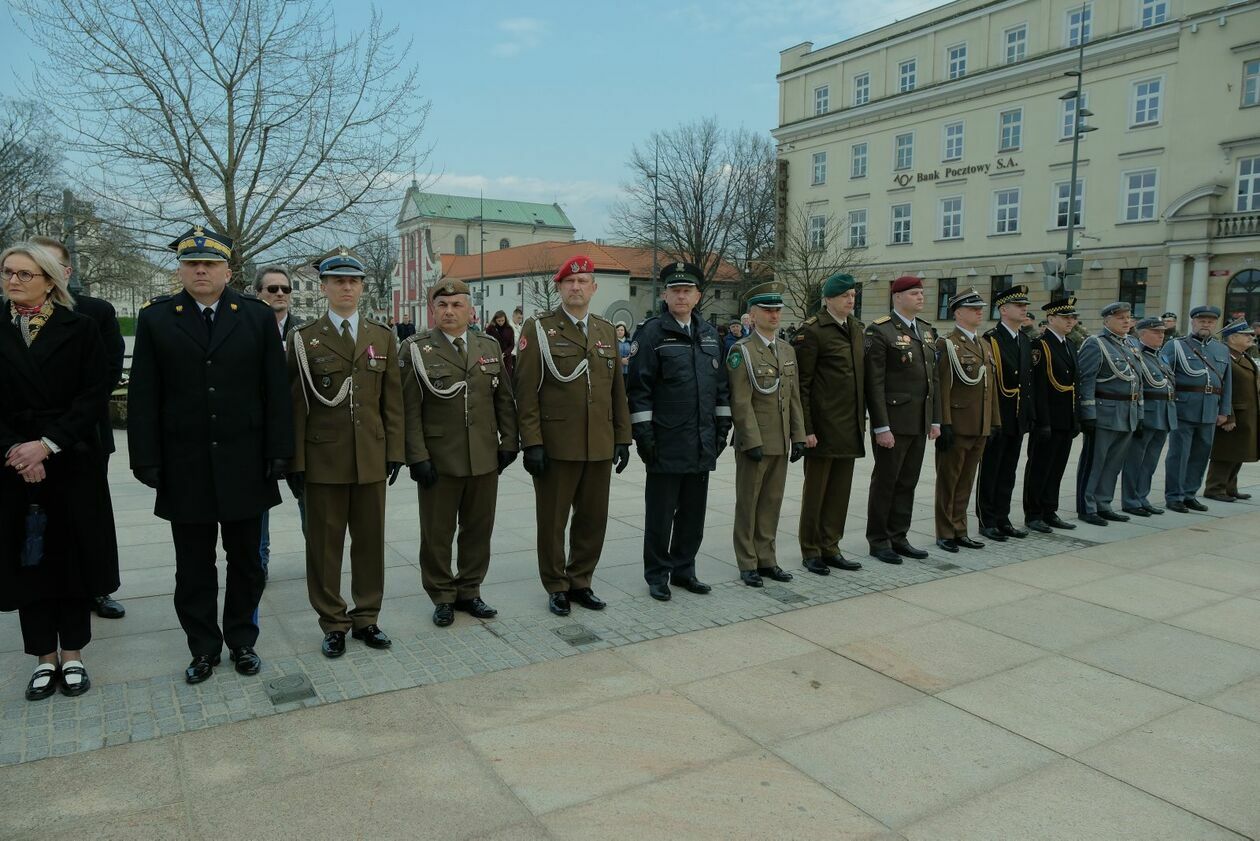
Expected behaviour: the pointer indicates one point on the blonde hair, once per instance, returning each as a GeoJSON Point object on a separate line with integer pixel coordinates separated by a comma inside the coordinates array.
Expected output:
{"type": "Point", "coordinates": [49, 265]}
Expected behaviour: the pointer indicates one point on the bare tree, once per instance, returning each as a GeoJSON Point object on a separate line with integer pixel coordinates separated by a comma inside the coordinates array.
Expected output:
{"type": "Point", "coordinates": [380, 258]}
{"type": "Point", "coordinates": [540, 292]}
{"type": "Point", "coordinates": [815, 246]}
{"type": "Point", "coordinates": [260, 118]}
{"type": "Point", "coordinates": [31, 176]}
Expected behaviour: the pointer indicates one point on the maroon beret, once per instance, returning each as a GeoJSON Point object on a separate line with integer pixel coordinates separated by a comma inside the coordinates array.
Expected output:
{"type": "Point", "coordinates": [577, 264]}
{"type": "Point", "coordinates": [906, 282]}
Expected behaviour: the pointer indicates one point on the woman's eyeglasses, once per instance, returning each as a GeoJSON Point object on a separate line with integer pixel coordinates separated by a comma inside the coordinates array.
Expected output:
{"type": "Point", "coordinates": [22, 275]}
{"type": "Point", "coordinates": [277, 290]}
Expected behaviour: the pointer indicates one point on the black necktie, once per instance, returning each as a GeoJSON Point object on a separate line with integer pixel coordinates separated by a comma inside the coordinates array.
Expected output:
{"type": "Point", "coordinates": [581, 326]}
{"type": "Point", "coordinates": [208, 315]}
{"type": "Point", "coordinates": [459, 347]}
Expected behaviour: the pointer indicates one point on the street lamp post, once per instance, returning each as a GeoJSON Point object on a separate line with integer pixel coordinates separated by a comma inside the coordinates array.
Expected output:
{"type": "Point", "coordinates": [1078, 128]}
{"type": "Point", "coordinates": [656, 212]}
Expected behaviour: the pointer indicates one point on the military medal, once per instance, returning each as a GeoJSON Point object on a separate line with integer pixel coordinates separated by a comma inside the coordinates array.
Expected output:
{"type": "Point", "coordinates": [314, 343]}
{"type": "Point", "coordinates": [326, 382]}
{"type": "Point", "coordinates": [428, 348]}
{"type": "Point", "coordinates": [551, 332]}
{"type": "Point", "coordinates": [610, 363]}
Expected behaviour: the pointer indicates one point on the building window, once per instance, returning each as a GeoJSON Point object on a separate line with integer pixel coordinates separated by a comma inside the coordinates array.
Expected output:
{"type": "Point", "coordinates": [956, 64]}
{"type": "Point", "coordinates": [1251, 83]}
{"type": "Point", "coordinates": [946, 288]}
{"type": "Point", "coordinates": [907, 73]}
{"type": "Point", "coordinates": [461, 245]}
{"type": "Point", "coordinates": [1010, 130]}
{"type": "Point", "coordinates": [953, 142]}
{"type": "Point", "coordinates": [297, 285]}
{"type": "Point", "coordinates": [1063, 199]}
{"type": "Point", "coordinates": [820, 168]}
{"type": "Point", "coordinates": [1067, 126]}
{"type": "Point", "coordinates": [998, 284]}
{"type": "Point", "coordinates": [717, 294]}
{"type": "Point", "coordinates": [520, 287]}
{"type": "Point", "coordinates": [1248, 185]}
{"type": "Point", "coordinates": [857, 163]}
{"type": "Point", "coordinates": [904, 157]}
{"type": "Point", "coordinates": [1154, 12]}
{"type": "Point", "coordinates": [1139, 196]}
{"type": "Point", "coordinates": [501, 293]}
{"type": "Point", "coordinates": [1006, 211]}
{"type": "Point", "coordinates": [503, 243]}
{"type": "Point", "coordinates": [1079, 21]}
{"type": "Point", "coordinates": [1016, 43]}
{"type": "Point", "coordinates": [822, 99]}
{"type": "Point", "coordinates": [1146, 101]}
{"type": "Point", "coordinates": [634, 291]}
{"type": "Point", "coordinates": [817, 233]}
{"type": "Point", "coordinates": [900, 224]}
{"type": "Point", "coordinates": [861, 88]}
{"type": "Point", "coordinates": [857, 228]}
{"type": "Point", "coordinates": [951, 217]}
{"type": "Point", "coordinates": [1133, 290]}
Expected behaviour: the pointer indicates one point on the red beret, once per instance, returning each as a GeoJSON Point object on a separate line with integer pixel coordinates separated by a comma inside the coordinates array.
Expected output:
{"type": "Point", "coordinates": [906, 282]}
{"type": "Point", "coordinates": [577, 264]}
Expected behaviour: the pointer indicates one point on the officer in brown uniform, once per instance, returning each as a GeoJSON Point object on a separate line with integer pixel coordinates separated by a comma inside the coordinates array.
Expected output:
{"type": "Point", "coordinates": [348, 417]}
{"type": "Point", "coordinates": [828, 350]}
{"type": "Point", "coordinates": [969, 411]}
{"type": "Point", "coordinates": [769, 429]}
{"type": "Point", "coordinates": [461, 434]}
{"type": "Point", "coordinates": [574, 422]}
{"type": "Point", "coordinates": [905, 408]}
{"type": "Point", "coordinates": [1238, 440]}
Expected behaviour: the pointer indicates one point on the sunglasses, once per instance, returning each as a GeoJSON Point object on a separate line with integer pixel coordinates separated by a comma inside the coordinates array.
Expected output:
{"type": "Point", "coordinates": [276, 290]}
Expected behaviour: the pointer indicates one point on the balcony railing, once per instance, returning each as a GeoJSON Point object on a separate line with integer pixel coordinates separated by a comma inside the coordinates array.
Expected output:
{"type": "Point", "coordinates": [1238, 225]}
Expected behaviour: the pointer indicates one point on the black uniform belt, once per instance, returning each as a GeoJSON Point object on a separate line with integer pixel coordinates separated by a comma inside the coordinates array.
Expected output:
{"type": "Point", "coordinates": [1159, 395]}
{"type": "Point", "coordinates": [1199, 389]}
{"type": "Point", "coordinates": [1111, 395]}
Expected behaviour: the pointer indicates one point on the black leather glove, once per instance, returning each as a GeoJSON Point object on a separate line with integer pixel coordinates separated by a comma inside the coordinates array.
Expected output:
{"type": "Point", "coordinates": [723, 426]}
{"type": "Point", "coordinates": [1088, 425]}
{"type": "Point", "coordinates": [621, 456]}
{"type": "Point", "coordinates": [646, 447]}
{"type": "Point", "coordinates": [1044, 433]}
{"type": "Point", "coordinates": [754, 453]}
{"type": "Point", "coordinates": [535, 460]}
{"type": "Point", "coordinates": [151, 476]}
{"type": "Point", "coordinates": [946, 442]}
{"type": "Point", "coordinates": [276, 468]}
{"type": "Point", "coordinates": [1140, 431]}
{"type": "Point", "coordinates": [393, 468]}
{"type": "Point", "coordinates": [296, 483]}
{"type": "Point", "coordinates": [798, 451]}
{"type": "Point", "coordinates": [424, 474]}
{"type": "Point", "coordinates": [506, 457]}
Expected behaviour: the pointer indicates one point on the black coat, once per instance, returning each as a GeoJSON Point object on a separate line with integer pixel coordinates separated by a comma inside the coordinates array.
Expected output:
{"type": "Point", "coordinates": [56, 389]}
{"type": "Point", "coordinates": [677, 382]}
{"type": "Point", "coordinates": [210, 412]}
{"type": "Point", "coordinates": [1055, 409]}
{"type": "Point", "coordinates": [1013, 360]}
{"type": "Point", "coordinates": [102, 313]}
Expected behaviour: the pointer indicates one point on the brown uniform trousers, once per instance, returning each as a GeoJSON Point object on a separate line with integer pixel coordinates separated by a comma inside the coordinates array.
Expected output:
{"type": "Point", "coordinates": [578, 423]}
{"type": "Point", "coordinates": [970, 410]}
{"type": "Point", "coordinates": [1242, 443]}
{"type": "Point", "coordinates": [462, 435]}
{"type": "Point", "coordinates": [772, 422]}
{"type": "Point", "coordinates": [343, 451]}
{"type": "Point", "coordinates": [833, 402]}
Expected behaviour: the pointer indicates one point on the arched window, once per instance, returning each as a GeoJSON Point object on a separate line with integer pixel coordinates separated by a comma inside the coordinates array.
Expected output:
{"type": "Point", "coordinates": [503, 243]}
{"type": "Point", "coordinates": [1243, 293]}
{"type": "Point", "coordinates": [461, 245]}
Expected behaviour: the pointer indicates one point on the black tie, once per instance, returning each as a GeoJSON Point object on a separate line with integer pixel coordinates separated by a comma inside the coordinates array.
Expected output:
{"type": "Point", "coordinates": [581, 326]}
{"type": "Point", "coordinates": [459, 346]}
{"type": "Point", "coordinates": [208, 315]}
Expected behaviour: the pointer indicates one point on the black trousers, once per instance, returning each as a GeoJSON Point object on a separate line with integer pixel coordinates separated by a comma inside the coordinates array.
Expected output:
{"type": "Point", "coordinates": [197, 583]}
{"type": "Point", "coordinates": [674, 525]}
{"type": "Point", "coordinates": [997, 479]}
{"type": "Point", "coordinates": [1047, 461]}
{"type": "Point", "coordinates": [50, 624]}
{"type": "Point", "coordinates": [893, 480]}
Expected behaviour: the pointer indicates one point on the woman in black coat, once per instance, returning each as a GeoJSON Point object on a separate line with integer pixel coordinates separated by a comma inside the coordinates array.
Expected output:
{"type": "Point", "coordinates": [506, 336]}
{"type": "Point", "coordinates": [54, 378]}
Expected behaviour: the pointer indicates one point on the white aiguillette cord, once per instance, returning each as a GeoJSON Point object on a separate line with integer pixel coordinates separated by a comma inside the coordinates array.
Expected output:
{"type": "Point", "coordinates": [544, 350]}
{"type": "Point", "coordinates": [422, 376]}
{"type": "Point", "coordinates": [958, 368]}
{"type": "Point", "coordinates": [305, 367]}
{"type": "Point", "coordinates": [752, 379]}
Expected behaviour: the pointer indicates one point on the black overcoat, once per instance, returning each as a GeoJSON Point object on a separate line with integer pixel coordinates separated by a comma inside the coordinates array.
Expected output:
{"type": "Point", "coordinates": [102, 313]}
{"type": "Point", "coordinates": [1014, 358]}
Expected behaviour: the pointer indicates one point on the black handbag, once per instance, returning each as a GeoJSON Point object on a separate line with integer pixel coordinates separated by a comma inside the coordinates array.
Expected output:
{"type": "Point", "coordinates": [33, 544]}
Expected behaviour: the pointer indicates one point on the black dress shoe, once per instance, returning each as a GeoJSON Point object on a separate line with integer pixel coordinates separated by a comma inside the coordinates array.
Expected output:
{"type": "Point", "coordinates": [201, 668]}
{"type": "Point", "coordinates": [839, 561]}
{"type": "Point", "coordinates": [886, 555]}
{"type": "Point", "coordinates": [1137, 512]}
{"type": "Point", "coordinates": [993, 534]}
{"type": "Point", "coordinates": [1092, 519]}
{"type": "Point", "coordinates": [34, 693]}
{"type": "Point", "coordinates": [246, 659]}
{"type": "Point", "coordinates": [1039, 527]}
{"type": "Point", "coordinates": [751, 577]}
{"type": "Point", "coordinates": [908, 551]}
{"type": "Point", "coordinates": [72, 689]}
{"type": "Point", "coordinates": [334, 644]}
{"type": "Point", "coordinates": [372, 636]}
{"type": "Point", "coordinates": [692, 585]}
{"type": "Point", "coordinates": [107, 608]}
{"type": "Point", "coordinates": [777, 573]}
{"type": "Point", "coordinates": [967, 543]}
{"type": "Point", "coordinates": [947, 544]}
{"type": "Point", "coordinates": [558, 603]}
{"type": "Point", "coordinates": [660, 592]}
{"type": "Point", "coordinates": [1194, 505]}
{"type": "Point", "coordinates": [1151, 509]}
{"type": "Point", "coordinates": [1178, 506]}
{"type": "Point", "coordinates": [443, 615]}
{"type": "Point", "coordinates": [1010, 531]}
{"type": "Point", "coordinates": [817, 566]}
{"type": "Point", "coordinates": [1112, 516]}
{"type": "Point", "coordinates": [586, 597]}
{"type": "Point", "coordinates": [1057, 522]}
{"type": "Point", "coordinates": [1219, 497]}
{"type": "Point", "coordinates": [476, 607]}
{"type": "Point", "coordinates": [1240, 495]}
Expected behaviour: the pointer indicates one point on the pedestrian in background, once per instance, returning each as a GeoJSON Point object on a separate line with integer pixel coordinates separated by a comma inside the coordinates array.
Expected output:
{"type": "Point", "coordinates": [623, 347]}
{"type": "Point", "coordinates": [1238, 440]}
{"type": "Point", "coordinates": [501, 331]}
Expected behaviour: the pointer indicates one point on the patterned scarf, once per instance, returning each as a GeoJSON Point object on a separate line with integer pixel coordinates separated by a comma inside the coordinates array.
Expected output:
{"type": "Point", "coordinates": [29, 320]}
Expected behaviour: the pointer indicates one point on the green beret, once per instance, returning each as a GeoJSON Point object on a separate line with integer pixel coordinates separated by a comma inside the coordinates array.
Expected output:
{"type": "Point", "coordinates": [838, 284]}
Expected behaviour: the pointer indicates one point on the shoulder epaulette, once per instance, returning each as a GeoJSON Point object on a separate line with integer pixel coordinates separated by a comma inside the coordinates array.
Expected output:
{"type": "Point", "coordinates": [990, 333]}
{"type": "Point", "coordinates": [923, 321]}
{"type": "Point", "coordinates": [813, 319]}
{"type": "Point", "coordinates": [601, 318]}
{"type": "Point", "coordinates": [376, 321]}
{"type": "Point", "coordinates": [256, 300]}
{"type": "Point", "coordinates": [883, 319]}
{"type": "Point", "coordinates": [159, 299]}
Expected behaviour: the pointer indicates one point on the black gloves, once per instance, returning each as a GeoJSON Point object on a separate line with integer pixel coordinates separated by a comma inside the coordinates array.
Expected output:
{"type": "Point", "coordinates": [1088, 425]}
{"type": "Point", "coordinates": [424, 474]}
{"type": "Point", "coordinates": [393, 468]}
{"type": "Point", "coordinates": [151, 476]}
{"type": "Point", "coordinates": [296, 483]}
{"type": "Point", "coordinates": [723, 425]}
{"type": "Point", "coordinates": [506, 457]}
{"type": "Point", "coordinates": [1044, 433]}
{"type": "Point", "coordinates": [276, 468]}
{"type": "Point", "coordinates": [645, 441]}
{"type": "Point", "coordinates": [946, 442]}
{"type": "Point", "coordinates": [995, 431]}
{"type": "Point", "coordinates": [753, 453]}
{"type": "Point", "coordinates": [798, 451]}
{"type": "Point", "coordinates": [621, 456]}
{"type": "Point", "coordinates": [1141, 429]}
{"type": "Point", "coordinates": [535, 460]}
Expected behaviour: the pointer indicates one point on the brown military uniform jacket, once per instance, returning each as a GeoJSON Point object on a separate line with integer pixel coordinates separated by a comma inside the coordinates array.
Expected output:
{"type": "Point", "coordinates": [461, 437]}
{"type": "Point", "coordinates": [972, 410]}
{"type": "Point", "coordinates": [572, 421]}
{"type": "Point", "coordinates": [833, 385]}
{"type": "Point", "coordinates": [349, 443]}
{"type": "Point", "coordinates": [901, 390]}
{"type": "Point", "coordinates": [771, 421]}
{"type": "Point", "coordinates": [1241, 444]}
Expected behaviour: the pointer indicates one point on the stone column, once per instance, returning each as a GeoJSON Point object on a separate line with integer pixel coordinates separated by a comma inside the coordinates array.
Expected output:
{"type": "Point", "coordinates": [1199, 281]}
{"type": "Point", "coordinates": [1174, 292]}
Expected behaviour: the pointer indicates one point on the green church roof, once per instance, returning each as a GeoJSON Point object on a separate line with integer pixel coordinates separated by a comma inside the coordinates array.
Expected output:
{"type": "Point", "coordinates": [437, 205]}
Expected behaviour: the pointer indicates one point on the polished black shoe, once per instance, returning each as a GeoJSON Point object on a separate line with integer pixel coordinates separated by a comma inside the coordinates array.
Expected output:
{"type": "Point", "coordinates": [107, 608]}
{"type": "Point", "coordinates": [1151, 509]}
{"type": "Point", "coordinates": [44, 672]}
{"type": "Point", "coordinates": [246, 659]}
{"type": "Point", "coordinates": [967, 543]}
{"type": "Point", "coordinates": [586, 597]}
{"type": "Point", "coordinates": [777, 573]}
{"type": "Point", "coordinates": [1194, 505]}
{"type": "Point", "coordinates": [660, 592]}
{"type": "Point", "coordinates": [1057, 522]}
{"type": "Point", "coordinates": [839, 561]}
{"type": "Point", "coordinates": [692, 585]}
{"type": "Point", "coordinates": [73, 688]}
{"type": "Point", "coordinates": [1039, 527]}
{"type": "Point", "coordinates": [443, 615]}
{"type": "Point", "coordinates": [1240, 495]}
{"type": "Point", "coordinates": [907, 551]}
{"type": "Point", "coordinates": [372, 636]}
{"type": "Point", "coordinates": [334, 644]}
{"type": "Point", "coordinates": [558, 603]}
{"type": "Point", "coordinates": [886, 555]}
{"type": "Point", "coordinates": [947, 544]}
{"type": "Point", "coordinates": [201, 668]}
{"type": "Point", "coordinates": [1178, 506]}
{"type": "Point", "coordinates": [1219, 498]}
{"type": "Point", "coordinates": [751, 577]}
{"type": "Point", "coordinates": [1010, 531]}
{"type": "Point", "coordinates": [1137, 512]}
{"type": "Point", "coordinates": [476, 607]}
{"type": "Point", "coordinates": [1112, 517]}
{"type": "Point", "coordinates": [817, 566]}
{"type": "Point", "coordinates": [1092, 519]}
{"type": "Point", "coordinates": [993, 534]}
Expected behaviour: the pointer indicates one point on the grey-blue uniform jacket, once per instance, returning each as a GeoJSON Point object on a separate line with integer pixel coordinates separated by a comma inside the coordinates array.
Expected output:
{"type": "Point", "coordinates": [1109, 388]}
{"type": "Point", "coordinates": [1203, 378]}
{"type": "Point", "coordinates": [1159, 390]}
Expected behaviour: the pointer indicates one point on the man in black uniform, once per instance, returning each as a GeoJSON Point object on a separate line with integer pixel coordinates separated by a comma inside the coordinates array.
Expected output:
{"type": "Point", "coordinates": [210, 427]}
{"type": "Point", "coordinates": [1012, 358]}
{"type": "Point", "coordinates": [1054, 396]}
{"type": "Point", "coordinates": [680, 415]}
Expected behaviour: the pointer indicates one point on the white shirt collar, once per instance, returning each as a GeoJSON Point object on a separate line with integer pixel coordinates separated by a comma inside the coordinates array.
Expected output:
{"type": "Point", "coordinates": [575, 319]}
{"type": "Point", "coordinates": [451, 339]}
{"type": "Point", "coordinates": [353, 318]}
{"type": "Point", "coordinates": [214, 308]}
{"type": "Point", "coordinates": [909, 322]}
{"type": "Point", "coordinates": [1014, 333]}
{"type": "Point", "coordinates": [970, 335]}
{"type": "Point", "coordinates": [686, 327]}
{"type": "Point", "coordinates": [765, 341]}
{"type": "Point", "coordinates": [1056, 335]}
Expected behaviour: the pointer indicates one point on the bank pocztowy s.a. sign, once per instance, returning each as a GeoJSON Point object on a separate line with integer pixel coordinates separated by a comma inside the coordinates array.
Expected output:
{"type": "Point", "coordinates": [905, 179]}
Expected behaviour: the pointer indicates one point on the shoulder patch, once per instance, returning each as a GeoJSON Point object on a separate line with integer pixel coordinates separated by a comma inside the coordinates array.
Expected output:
{"type": "Point", "coordinates": [634, 348]}
{"type": "Point", "coordinates": [813, 319]}
{"type": "Point", "coordinates": [735, 358]}
{"type": "Point", "coordinates": [883, 319]}
{"type": "Point", "coordinates": [157, 300]}
{"type": "Point", "coordinates": [798, 339]}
